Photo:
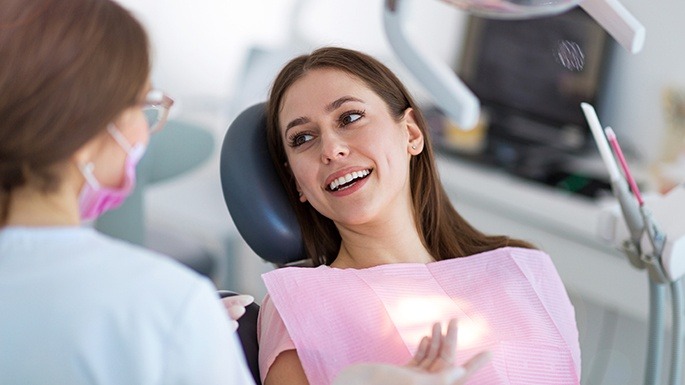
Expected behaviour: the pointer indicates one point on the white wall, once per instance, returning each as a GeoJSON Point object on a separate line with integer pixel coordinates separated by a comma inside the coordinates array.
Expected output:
{"type": "Point", "coordinates": [634, 103]}
{"type": "Point", "coordinates": [200, 46]}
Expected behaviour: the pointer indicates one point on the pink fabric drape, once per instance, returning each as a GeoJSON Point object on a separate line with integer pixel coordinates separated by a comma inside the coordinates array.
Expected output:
{"type": "Point", "coordinates": [510, 301]}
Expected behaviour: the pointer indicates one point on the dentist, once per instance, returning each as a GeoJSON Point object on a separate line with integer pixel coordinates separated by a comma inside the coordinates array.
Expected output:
{"type": "Point", "coordinates": [79, 307]}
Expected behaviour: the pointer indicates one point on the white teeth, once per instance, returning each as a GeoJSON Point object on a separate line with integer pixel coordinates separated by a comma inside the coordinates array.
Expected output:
{"type": "Point", "coordinates": [348, 178]}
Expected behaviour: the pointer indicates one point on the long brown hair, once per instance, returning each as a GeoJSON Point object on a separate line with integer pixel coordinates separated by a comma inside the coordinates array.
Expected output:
{"type": "Point", "coordinates": [443, 231]}
{"type": "Point", "coordinates": [67, 69]}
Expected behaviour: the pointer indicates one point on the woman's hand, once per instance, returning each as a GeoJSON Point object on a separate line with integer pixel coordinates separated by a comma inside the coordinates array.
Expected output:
{"type": "Point", "coordinates": [235, 307]}
{"type": "Point", "coordinates": [433, 364]}
{"type": "Point", "coordinates": [438, 351]}
{"type": "Point", "coordinates": [434, 359]}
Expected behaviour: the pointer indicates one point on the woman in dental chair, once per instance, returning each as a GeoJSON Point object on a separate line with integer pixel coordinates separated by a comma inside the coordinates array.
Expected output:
{"type": "Point", "coordinates": [390, 253]}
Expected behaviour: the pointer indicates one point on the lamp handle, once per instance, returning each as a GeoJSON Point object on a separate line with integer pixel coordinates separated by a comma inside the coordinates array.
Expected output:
{"type": "Point", "coordinates": [618, 21]}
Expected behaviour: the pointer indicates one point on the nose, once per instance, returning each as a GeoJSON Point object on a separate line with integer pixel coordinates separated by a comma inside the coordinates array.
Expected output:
{"type": "Point", "coordinates": [333, 147]}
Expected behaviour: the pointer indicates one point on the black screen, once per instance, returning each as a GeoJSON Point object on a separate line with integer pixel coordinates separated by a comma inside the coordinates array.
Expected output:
{"type": "Point", "coordinates": [532, 75]}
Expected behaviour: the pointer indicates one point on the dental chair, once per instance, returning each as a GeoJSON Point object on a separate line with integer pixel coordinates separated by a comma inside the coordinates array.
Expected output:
{"type": "Point", "coordinates": [255, 197]}
{"type": "Point", "coordinates": [258, 204]}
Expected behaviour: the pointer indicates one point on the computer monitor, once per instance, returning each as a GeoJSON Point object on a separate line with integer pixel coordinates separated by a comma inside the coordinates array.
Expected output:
{"type": "Point", "coordinates": [531, 75]}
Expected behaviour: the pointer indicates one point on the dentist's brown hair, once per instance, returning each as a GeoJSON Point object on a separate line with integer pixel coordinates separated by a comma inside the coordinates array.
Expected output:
{"type": "Point", "coordinates": [443, 231]}
{"type": "Point", "coordinates": [67, 69]}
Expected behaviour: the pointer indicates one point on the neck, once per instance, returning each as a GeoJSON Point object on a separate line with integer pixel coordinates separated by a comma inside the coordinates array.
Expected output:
{"type": "Point", "coordinates": [390, 242]}
{"type": "Point", "coordinates": [33, 208]}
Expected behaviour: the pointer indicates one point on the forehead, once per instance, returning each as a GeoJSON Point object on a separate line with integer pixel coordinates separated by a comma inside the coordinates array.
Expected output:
{"type": "Point", "coordinates": [319, 87]}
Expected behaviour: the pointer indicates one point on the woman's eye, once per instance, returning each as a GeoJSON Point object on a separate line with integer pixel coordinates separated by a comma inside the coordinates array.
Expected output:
{"type": "Point", "coordinates": [300, 139]}
{"type": "Point", "coordinates": [351, 117]}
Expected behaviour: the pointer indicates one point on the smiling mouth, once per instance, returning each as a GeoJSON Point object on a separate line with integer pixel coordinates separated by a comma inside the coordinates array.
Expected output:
{"type": "Point", "coordinates": [348, 180]}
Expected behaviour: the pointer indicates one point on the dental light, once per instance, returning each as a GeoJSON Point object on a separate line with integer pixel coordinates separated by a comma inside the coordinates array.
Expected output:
{"type": "Point", "coordinates": [449, 93]}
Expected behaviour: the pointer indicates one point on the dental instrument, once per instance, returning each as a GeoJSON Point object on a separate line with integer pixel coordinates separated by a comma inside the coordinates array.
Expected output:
{"type": "Point", "coordinates": [664, 257]}
{"type": "Point", "coordinates": [613, 141]}
{"type": "Point", "coordinates": [629, 207]}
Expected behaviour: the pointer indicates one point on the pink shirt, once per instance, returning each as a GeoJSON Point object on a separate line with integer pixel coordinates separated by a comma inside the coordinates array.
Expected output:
{"type": "Point", "coordinates": [272, 336]}
{"type": "Point", "coordinates": [510, 301]}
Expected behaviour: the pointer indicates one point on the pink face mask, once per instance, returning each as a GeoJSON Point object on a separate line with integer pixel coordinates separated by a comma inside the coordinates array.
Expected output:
{"type": "Point", "coordinates": [94, 198]}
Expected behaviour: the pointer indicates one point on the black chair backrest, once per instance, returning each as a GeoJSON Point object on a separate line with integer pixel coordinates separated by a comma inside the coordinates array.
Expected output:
{"type": "Point", "coordinates": [253, 192]}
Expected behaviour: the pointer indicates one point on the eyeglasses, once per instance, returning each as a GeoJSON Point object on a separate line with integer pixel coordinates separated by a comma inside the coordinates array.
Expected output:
{"type": "Point", "coordinates": [156, 109]}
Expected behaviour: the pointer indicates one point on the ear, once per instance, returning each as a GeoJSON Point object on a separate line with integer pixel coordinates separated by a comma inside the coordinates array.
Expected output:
{"type": "Point", "coordinates": [415, 138]}
{"type": "Point", "coordinates": [303, 198]}
{"type": "Point", "coordinates": [81, 156]}
{"type": "Point", "coordinates": [87, 152]}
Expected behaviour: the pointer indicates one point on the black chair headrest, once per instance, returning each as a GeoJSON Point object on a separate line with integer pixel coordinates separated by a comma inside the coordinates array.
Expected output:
{"type": "Point", "coordinates": [254, 194]}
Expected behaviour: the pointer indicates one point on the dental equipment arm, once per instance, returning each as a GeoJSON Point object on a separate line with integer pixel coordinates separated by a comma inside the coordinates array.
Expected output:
{"type": "Point", "coordinates": [449, 93]}
{"type": "Point", "coordinates": [666, 253]}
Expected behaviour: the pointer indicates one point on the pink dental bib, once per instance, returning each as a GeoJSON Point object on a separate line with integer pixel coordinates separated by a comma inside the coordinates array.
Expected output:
{"type": "Point", "coordinates": [510, 301]}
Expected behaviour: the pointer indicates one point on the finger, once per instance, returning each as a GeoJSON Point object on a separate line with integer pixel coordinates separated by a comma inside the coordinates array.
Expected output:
{"type": "Point", "coordinates": [421, 351]}
{"type": "Point", "coordinates": [459, 375]}
{"type": "Point", "coordinates": [478, 361]}
{"type": "Point", "coordinates": [233, 325]}
{"type": "Point", "coordinates": [456, 375]}
{"type": "Point", "coordinates": [434, 347]}
{"type": "Point", "coordinates": [448, 351]}
{"type": "Point", "coordinates": [228, 302]}
{"type": "Point", "coordinates": [242, 300]}
{"type": "Point", "coordinates": [235, 312]}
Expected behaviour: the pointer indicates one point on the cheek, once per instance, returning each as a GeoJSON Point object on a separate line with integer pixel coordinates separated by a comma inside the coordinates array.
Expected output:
{"type": "Point", "coordinates": [305, 174]}
{"type": "Point", "coordinates": [298, 170]}
{"type": "Point", "coordinates": [109, 165]}
{"type": "Point", "coordinates": [134, 127]}
{"type": "Point", "coordinates": [141, 130]}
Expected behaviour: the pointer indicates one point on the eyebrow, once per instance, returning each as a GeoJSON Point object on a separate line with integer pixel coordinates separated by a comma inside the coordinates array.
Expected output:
{"type": "Point", "coordinates": [339, 102]}
{"type": "Point", "coordinates": [329, 108]}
